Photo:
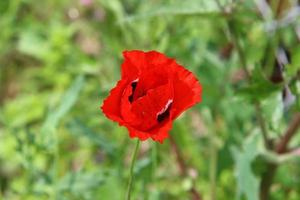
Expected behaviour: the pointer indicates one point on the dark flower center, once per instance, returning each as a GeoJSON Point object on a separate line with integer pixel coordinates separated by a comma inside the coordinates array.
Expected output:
{"type": "Point", "coordinates": [166, 112]}
{"type": "Point", "coordinates": [133, 86]}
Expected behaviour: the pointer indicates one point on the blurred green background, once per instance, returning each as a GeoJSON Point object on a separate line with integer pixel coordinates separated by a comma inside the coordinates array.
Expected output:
{"type": "Point", "coordinates": [60, 58]}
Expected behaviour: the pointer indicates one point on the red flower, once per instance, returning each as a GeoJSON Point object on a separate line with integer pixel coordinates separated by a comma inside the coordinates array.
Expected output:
{"type": "Point", "coordinates": [153, 91]}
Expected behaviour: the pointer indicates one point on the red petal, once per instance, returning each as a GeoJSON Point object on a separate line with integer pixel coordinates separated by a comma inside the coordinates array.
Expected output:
{"type": "Point", "coordinates": [126, 106]}
{"type": "Point", "coordinates": [111, 105]}
{"type": "Point", "coordinates": [187, 90]}
{"type": "Point", "coordinates": [149, 80]}
{"type": "Point", "coordinates": [157, 134]}
{"type": "Point", "coordinates": [154, 58]}
{"type": "Point", "coordinates": [146, 108]}
{"type": "Point", "coordinates": [136, 61]}
{"type": "Point", "coordinates": [162, 132]}
{"type": "Point", "coordinates": [155, 73]}
{"type": "Point", "coordinates": [133, 63]}
{"type": "Point", "coordinates": [133, 133]}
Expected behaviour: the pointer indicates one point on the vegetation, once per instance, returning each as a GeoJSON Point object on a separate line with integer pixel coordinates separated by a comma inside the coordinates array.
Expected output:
{"type": "Point", "coordinates": [60, 58]}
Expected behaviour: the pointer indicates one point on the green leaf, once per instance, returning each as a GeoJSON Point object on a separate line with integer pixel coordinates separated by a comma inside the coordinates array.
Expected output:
{"type": "Point", "coordinates": [259, 88]}
{"type": "Point", "coordinates": [79, 129]}
{"type": "Point", "coordinates": [177, 7]}
{"type": "Point", "coordinates": [23, 110]}
{"type": "Point", "coordinates": [273, 110]}
{"type": "Point", "coordinates": [79, 183]}
{"type": "Point", "coordinates": [54, 117]}
{"type": "Point", "coordinates": [115, 6]}
{"type": "Point", "coordinates": [31, 43]}
{"type": "Point", "coordinates": [293, 68]}
{"type": "Point", "coordinates": [247, 183]}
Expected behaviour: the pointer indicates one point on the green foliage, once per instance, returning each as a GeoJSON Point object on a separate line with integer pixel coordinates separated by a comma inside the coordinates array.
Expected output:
{"type": "Point", "coordinates": [68, 100]}
{"type": "Point", "coordinates": [248, 184]}
{"type": "Point", "coordinates": [59, 59]}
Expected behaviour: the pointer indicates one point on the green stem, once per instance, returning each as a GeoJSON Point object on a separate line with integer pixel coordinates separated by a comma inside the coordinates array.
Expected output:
{"type": "Point", "coordinates": [262, 124]}
{"type": "Point", "coordinates": [56, 168]}
{"type": "Point", "coordinates": [154, 159]}
{"type": "Point", "coordinates": [128, 195]}
{"type": "Point", "coordinates": [213, 168]}
{"type": "Point", "coordinates": [243, 60]}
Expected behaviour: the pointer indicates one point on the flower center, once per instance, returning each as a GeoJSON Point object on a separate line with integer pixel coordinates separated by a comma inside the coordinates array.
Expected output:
{"type": "Point", "coordinates": [133, 86]}
{"type": "Point", "coordinates": [165, 112]}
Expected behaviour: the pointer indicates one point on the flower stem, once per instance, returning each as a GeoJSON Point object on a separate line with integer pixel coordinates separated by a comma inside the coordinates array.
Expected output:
{"type": "Point", "coordinates": [128, 194]}
{"type": "Point", "coordinates": [154, 159]}
{"type": "Point", "coordinates": [213, 167]}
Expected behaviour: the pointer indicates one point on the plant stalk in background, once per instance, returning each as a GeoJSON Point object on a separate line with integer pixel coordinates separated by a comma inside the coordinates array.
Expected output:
{"type": "Point", "coordinates": [183, 168]}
